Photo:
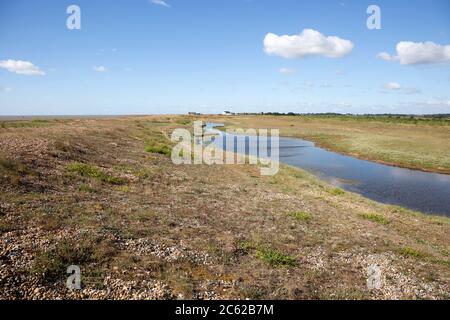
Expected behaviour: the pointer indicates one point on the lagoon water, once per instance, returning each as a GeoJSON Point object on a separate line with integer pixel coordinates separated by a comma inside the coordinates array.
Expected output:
{"type": "Point", "coordinates": [422, 191]}
{"type": "Point", "coordinates": [417, 190]}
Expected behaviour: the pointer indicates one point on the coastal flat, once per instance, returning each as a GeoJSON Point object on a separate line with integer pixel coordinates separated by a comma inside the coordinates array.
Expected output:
{"type": "Point", "coordinates": [420, 143]}
{"type": "Point", "coordinates": [104, 194]}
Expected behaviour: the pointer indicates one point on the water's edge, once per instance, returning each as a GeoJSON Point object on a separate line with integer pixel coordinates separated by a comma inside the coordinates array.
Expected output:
{"type": "Point", "coordinates": [427, 192]}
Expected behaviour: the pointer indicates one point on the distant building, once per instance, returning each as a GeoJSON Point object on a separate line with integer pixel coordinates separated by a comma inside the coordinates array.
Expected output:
{"type": "Point", "coordinates": [228, 113]}
{"type": "Point", "coordinates": [194, 113]}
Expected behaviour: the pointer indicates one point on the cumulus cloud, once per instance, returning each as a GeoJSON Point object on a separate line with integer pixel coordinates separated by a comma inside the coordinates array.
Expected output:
{"type": "Point", "coordinates": [411, 53]}
{"type": "Point", "coordinates": [308, 43]}
{"type": "Point", "coordinates": [386, 56]}
{"type": "Point", "coordinates": [160, 3]}
{"type": "Point", "coordinates": [100, 69]}
{"type": "Point", "coordinates": [286, 71]}
{"type": "Point", "coordinates": [392, 86]}
{"type": "Point", "coordinates": [21, 67]}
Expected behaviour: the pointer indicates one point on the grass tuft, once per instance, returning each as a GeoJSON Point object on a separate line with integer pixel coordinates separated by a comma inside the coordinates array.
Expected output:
{"type": "Point", "coordinates": [300, 215]}
{"type": "Point", "coordinates": [11, 166]}
{"type": "Point", "coordinates": [12, 171]}
{"type": "Point", "coordinates": [89, 171]}
{"type": "Point", "coordinates": [411, 252]}
{"type": "Point", "coordinates": [51, 265]}
{"type": "Point", "coordinates": [159, 148]}
{"type": "Point", "coordinates": [86, 188]}
{"type": "Point", "coordinates": [337, 192]}
{"type": "Point", "coordinates": [272, 257]}
{"type": "Point", "coordinates": [6, 227]}
{"type": "Point", "coordinates": [375, 218]}
{"type": "Point", "coordinates": [275, 258]}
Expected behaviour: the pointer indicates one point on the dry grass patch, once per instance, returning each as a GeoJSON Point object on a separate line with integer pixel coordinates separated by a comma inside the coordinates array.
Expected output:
{"type": "Point", "coordinates": [51, 265]}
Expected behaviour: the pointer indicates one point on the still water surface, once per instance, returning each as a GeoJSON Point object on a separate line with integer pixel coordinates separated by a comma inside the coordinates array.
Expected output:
{"type": "Point", "coordinates": [417, 190]}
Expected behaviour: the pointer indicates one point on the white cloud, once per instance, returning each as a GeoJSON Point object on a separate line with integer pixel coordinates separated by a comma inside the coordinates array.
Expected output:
{"type": "Point", "coordinates": [308, 43]}
{"type": "Point", "coordinates": [100, 69]}
{"type": "Point", "coordinates": [21, 67]}
{"type": "Point", "coordinates": [160, 3]}
{"type": "Point", "coordinates": [286, 71]}
{"type": "Point", "coordinates": [392, 86]}
{"type": "Point", "coordinates": [5, 89]}
{"type": "Point", "coordinates": [411, 53]}
{"type": "Point", "coordinates": [386, 56]}
{"type": "Point", "coordinates": [326, 85]}
{"type": "Point", "coordinates": [411, 90]}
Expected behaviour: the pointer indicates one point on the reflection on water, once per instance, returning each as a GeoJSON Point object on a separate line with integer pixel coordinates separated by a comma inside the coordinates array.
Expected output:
{"type": "Point", "coordinates": [422, 191]}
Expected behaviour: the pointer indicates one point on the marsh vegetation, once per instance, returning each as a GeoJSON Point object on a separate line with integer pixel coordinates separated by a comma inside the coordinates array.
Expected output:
{"type": "Point", "coordinates": [87, 192]}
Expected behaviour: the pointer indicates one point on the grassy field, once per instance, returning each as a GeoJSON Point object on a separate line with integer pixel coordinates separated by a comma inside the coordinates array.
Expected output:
{"type": "Point", "coordinates": [104, 194]}
{"type": "Point", "coordinates": [422, 144]}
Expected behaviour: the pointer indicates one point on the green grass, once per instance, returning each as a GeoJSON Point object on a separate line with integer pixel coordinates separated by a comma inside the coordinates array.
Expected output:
{"type": "Point", "coordinates": [337, 192]}
{"type": "Point", "coordinates": [124, 189]}
{"type": "Point", "coordinates": [375, 218]}
{"type": "Point", "coordinates": [396, 119]}
{"type": "Point", "coordinates": [300, 215]}
{"type": "Point", "coordinates": [90, 171]}
{"type": "Point", "coordinates": [40, 121]}
{"type": "Point", "coordinates": [36, 123]}
{"type": "Point", "coordinates": [160, 149]}
{"type": "Point", "coordinates": [184, 122]}
{"type": "Point", "coordinates": [271, 256]}
{"type": "Point", "coordinates": [86, 188]}
{"type": "Point", "coordinates": [275, 258]}
{"type": "Point", "coordinates": [157, 142]}
{"type": "Point", "coordinates": [411, 252]}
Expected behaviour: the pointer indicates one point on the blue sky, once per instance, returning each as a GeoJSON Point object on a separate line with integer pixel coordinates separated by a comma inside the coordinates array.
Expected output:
{"type": "Point", "coordinates": [140, 57]}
